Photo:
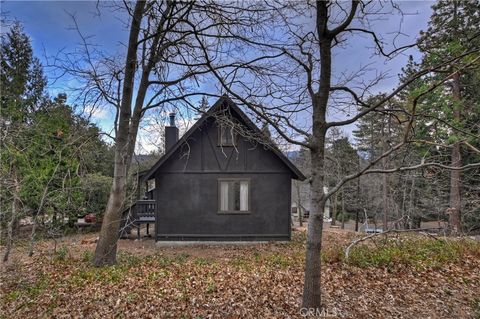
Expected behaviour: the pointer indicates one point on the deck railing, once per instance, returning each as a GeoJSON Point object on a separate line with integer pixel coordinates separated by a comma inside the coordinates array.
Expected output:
{"type": "Point", "coordinates": [141, 212]}
{"type": "Point", "coordinates": [144, 210]}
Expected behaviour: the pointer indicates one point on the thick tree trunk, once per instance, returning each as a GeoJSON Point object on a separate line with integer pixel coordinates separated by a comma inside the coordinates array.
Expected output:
{"type": "Point", "coordinates": [455, 179]}
{"type": "Point", "coordinates": [106, 250]}
{"type": "Point", "coordinates": [312, 285]}
{"type": "Point", "coordinates": [455, 200]}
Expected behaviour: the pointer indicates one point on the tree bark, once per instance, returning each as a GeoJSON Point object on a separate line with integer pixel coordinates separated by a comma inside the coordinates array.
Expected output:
{"type": "Point", "coordinates": [128, 126]}
{"type": "Point", "coordinates": [359, 201]}
{"type": "Point", "coordinates": [384, 179]}
{"type": "Point", "coordinates": [334, 210]}
{"type": "Point", "coordinates": [299, 205]}
{"type": "Point", "coordinates": [312, 284]}
{"type": "Point", "coordinates": [411, 209]}
{"type": "Point", "coordinates": [455, 178]}
{"type": "Point", "coordinates": [106, 250]}
{"type": "Point", "coordinates": [343, 207]}
{"type": "Point", "coordinates": [13, 219]}
{"type": "Point", "coordinates": [385, 200]}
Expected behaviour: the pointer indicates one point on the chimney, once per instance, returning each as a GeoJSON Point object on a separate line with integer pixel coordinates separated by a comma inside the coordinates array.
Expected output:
{"type": "Point", "coordinates": [171, 133]}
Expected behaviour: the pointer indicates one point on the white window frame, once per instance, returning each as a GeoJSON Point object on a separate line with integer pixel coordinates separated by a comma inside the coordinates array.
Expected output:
{"type": "Point", "coordinates": [248, 196]}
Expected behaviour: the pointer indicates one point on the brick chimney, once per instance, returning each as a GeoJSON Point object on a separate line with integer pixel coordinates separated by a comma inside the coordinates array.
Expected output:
{"type": "Point", "coordinates": [171, 133]}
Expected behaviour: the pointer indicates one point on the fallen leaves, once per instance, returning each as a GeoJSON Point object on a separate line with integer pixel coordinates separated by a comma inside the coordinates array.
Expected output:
{"type": "Point", "coordinates": [262, 281]}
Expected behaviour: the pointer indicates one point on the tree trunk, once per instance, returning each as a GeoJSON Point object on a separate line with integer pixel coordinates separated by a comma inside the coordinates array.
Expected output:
{"type": "Point", "coordinates": [13, 220]}
{"type": "Point", "coordinates": [299, 205]}
{"type": "Point", "coordinates": [455, 199]}
{"type": "Point", "coordinates": [359, 203]}
{"type": "Point", "coordinates": [411, 205]}
{"type": "Point", "coordinates": [403, 205]}
{"type": "Point", "coordinates": [385, 201]}
{"type": "Point", "coordinates": [106, 250]}
{"type": "Point", "coordinates": [312, 284]}
{"type": "Point", "coordinates": [384, 180]}
{"type": "Point", "coordinates": [343, 208]}
{"type": "Point", "coordinates": [334, 210]}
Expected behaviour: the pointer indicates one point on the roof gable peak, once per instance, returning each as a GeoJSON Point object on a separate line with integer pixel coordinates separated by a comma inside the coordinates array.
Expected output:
{"type": "Point", "coordinates": [222, 104]}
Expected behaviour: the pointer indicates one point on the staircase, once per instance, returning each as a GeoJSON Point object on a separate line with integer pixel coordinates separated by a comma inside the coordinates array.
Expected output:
{"type": "Point", "coordinates": [141, 212]}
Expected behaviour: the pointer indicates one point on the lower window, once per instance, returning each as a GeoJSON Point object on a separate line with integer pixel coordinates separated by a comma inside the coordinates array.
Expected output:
{"type": "Point", "coordinates": [234, 195]}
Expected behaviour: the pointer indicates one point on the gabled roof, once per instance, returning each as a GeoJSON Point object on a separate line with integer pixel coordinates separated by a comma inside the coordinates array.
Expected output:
{"type": "Point", "coordinates": [222, 102]}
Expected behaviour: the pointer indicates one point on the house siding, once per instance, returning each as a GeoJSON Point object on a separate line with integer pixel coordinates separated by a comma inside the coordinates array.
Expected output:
{"type": "Point", "coordinates": [188, 208]}
{"type": "Point", "coordinates": [187, 191]}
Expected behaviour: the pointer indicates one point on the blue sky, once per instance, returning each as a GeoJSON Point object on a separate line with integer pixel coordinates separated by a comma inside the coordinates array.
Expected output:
{"type": "Point", "coordinates": [49, 25]}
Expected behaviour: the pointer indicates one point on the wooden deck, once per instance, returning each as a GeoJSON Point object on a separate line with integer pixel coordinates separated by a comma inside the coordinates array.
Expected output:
{"type": "Point", "coordinates": [141, 212]}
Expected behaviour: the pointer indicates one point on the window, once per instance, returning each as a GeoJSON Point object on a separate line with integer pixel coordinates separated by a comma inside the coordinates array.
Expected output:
{"type": "Point", "coordinates": [226, 136]}
{"type": "Point", "coordinates": [234, 196]}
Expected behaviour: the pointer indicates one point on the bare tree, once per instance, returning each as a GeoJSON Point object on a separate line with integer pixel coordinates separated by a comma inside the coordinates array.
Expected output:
{"type": "Point", "coordinates": [296, 84]}
{"type": "Point", "coordinates": [267, 58]}
{"type": "Point", "coordinates": [163, 68]}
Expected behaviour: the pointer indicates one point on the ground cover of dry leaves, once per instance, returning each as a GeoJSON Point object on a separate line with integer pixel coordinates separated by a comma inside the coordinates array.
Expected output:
{"type": "Point", "coordinates": [399, 277]}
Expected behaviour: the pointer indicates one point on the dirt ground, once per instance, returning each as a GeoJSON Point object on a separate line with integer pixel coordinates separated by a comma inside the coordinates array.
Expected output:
{"type": "Point", "coordinates": [226, 281]}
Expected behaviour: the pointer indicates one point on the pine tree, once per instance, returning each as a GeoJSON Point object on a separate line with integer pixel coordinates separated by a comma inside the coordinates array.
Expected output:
{"type": "Point", "coordinates": [21, 76]}
{"type": "Point", "coordinates": [346, 161]}
{"type": "Point", "coordinates": [266, 132]}
{"type": "Point", "coordinates": [453, 29]}
{"type": "Point", "coordinates": [376, 133]}
{"type": "Point", "coordinates": [203, 107]}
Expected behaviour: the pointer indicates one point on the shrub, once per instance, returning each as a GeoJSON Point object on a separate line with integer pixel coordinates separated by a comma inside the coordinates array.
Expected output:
{"type": "Point", "coordinates": [412, 251]}
{"type": "Point", "coordinates": [61, 253]}
{"type": "Point", "coordinates": [87, 256]}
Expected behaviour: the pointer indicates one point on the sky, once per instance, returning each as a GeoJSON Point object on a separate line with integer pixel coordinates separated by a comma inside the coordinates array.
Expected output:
{"type": "Point", "coordinates": [49, 24]}
{"type": "Point", "coordinates": [51, 29]}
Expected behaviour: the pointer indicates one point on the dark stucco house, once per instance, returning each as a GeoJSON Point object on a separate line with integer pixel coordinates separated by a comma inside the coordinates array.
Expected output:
{"type": "Point", "coordinates": [219, 181]}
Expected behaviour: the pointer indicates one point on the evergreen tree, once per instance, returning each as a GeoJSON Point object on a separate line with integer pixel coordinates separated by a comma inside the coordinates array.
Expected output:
{"type": "Point", "coordinates": [376, 133]}
{"type": "Point", "coordinates": [343, 161]}
{"type": "Point", "coordinates": [204, 106]}
{"type": "Point", "coordinates": [454, 29]}
{"type": "Point", "coordinates": [266, 132]}
{"type": "Point", "coordinates": [21, 76]}
{"type": "Point", "coordinates": [47, 150]}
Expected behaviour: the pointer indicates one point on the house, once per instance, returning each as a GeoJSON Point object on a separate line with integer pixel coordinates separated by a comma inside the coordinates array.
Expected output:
{"type": "Point", "coordinates": [221, 181]}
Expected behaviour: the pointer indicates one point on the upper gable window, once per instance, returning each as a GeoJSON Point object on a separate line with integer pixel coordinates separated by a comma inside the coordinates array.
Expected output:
{"type": "Point", "coordinates": [226, 135]}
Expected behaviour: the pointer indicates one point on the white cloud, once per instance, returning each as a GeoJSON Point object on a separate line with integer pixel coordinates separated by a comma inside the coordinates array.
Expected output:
{"type": "Point", "coordinates": [97, 113]}
{"type": "Point", "coordinates": [151, 132]}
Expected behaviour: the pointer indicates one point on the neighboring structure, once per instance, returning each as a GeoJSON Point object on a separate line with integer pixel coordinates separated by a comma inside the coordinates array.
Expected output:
{"type": "Point", "coordinates": [220, 181]}
{"type": "Point", "coordinates": [305, 202]}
